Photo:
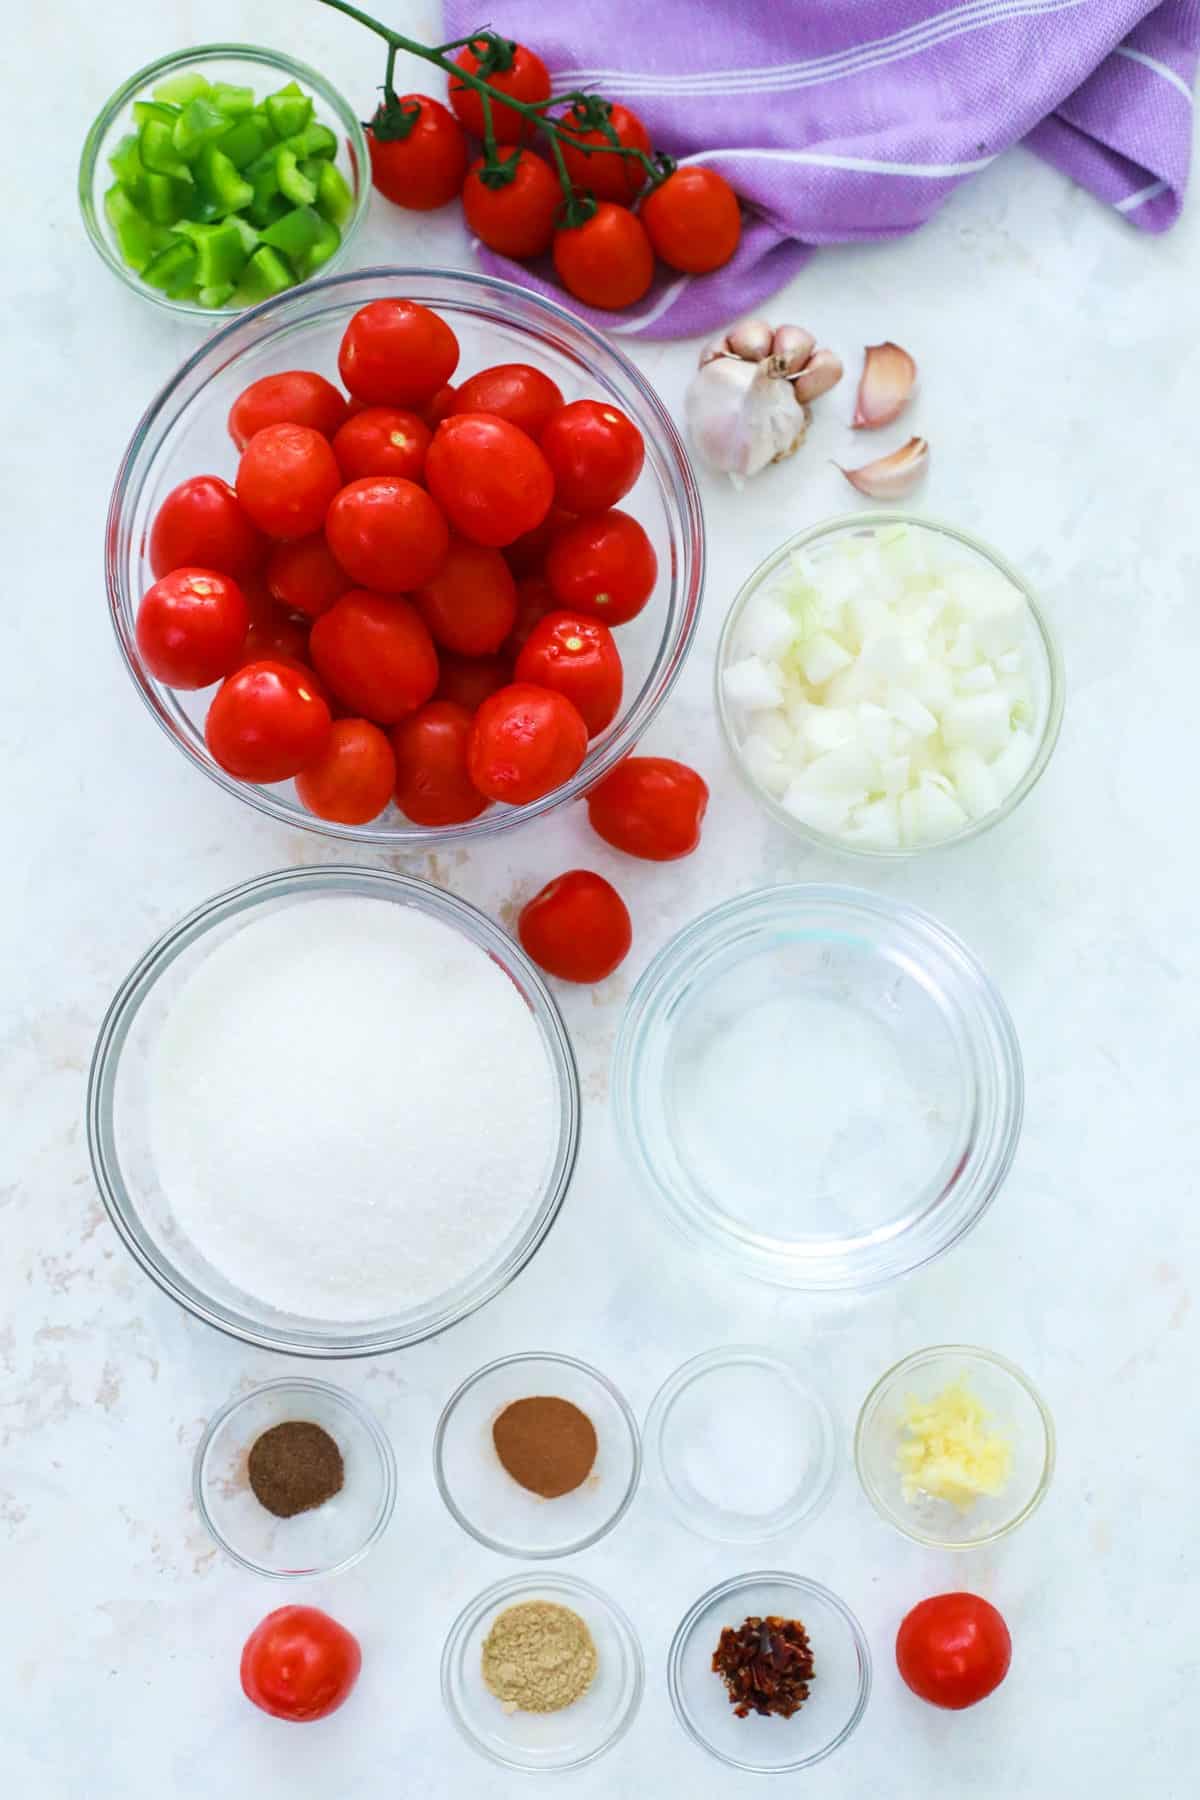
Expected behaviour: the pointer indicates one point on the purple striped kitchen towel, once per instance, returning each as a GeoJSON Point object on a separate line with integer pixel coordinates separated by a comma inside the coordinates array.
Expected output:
{"type": "Point", "coordinates": [844, 119]}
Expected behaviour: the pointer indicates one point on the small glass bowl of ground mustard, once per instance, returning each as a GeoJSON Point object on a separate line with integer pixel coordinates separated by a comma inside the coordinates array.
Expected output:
{"type": "Point", "coordinates": [537, 1455]}
{"type": "Point", "coordinates": [295, 1478]}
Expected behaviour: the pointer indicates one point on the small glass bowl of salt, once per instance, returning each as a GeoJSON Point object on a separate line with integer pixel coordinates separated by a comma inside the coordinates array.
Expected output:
{"type": "Point", "coordinates": [740, 1447]}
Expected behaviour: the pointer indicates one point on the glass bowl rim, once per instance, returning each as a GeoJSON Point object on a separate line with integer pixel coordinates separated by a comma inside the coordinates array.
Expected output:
{"type": "Point", "coordinates": [361, 1413]}
{"type": "Point", "coordinates": [531, 1582]}
{"type": "Point", "coordinates": [1056, 669]}
{"type": "Point", "coordinates": [967, 1353]}
{"type": "Point", "coordinates": [181, 59]}
{"type": "Point", "coordinates": [734, 1584]}
{"type": "Point", "coordinates": [580, 1367]}
{"type": "Point", "coordinates": [240, 899]}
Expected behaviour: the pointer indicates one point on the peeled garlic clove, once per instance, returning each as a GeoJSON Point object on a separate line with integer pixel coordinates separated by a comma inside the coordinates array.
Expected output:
{"type": "Point", "coordinates": [750, 338]}
{"type": "Point", "coordinates": [792, 346]}
{"type": "Point", "coordinates": [891, 477]}
{"type": "Point", "coordinates": [822, 371]}
{"type": "Point", "coordinates": [887, 381]}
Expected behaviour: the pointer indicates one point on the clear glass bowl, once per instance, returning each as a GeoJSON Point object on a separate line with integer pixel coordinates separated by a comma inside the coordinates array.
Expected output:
{"type": "Point", "coordinates": [822, 1086]}
{"type": "Point", "coordinates": [1046, 658]}
{"type": "Point", "coordinates": [841, 1684]}
{"type": "Point", "coordinates": [118, 1122]}
{"type": "Point", "coordinates": [1017, 1411]}
{"type": "Point", "coordinates": [329, 1538]}
{"type": "Point", "coordinates": [184, 433]}
{"type": "Point", "coordinates": [730, 1412]}
{"type": "Point", "coordinates": [550, 1742]}
{"type": "Point", "coordinates": [498, 1511]}
{"type": "Point", "coordinates": [244, 65]}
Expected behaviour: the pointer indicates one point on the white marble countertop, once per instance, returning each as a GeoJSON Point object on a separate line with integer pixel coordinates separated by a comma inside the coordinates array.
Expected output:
{"type": "Point", "coordinates": [1060, 386]}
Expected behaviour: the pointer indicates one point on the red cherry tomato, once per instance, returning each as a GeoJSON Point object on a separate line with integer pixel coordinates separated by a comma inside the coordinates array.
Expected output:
{"type": "Point", "coordinates": [526, 554]}
{"type": "Point", "coordinates": [191, 626]}
{"type": "Point", "coordinates": [525, 742]}
{"type": "Point", "coordinates": [396, 353]}
{"type": "Point", "coordinates": [953, 1650]}
{"type": "Point", "coordinates": [382, 440]}
{"type": "Point", "coordinates": [424, 168]}
{"type": "Point", "coordinates": [433, 786]}
{"type": "Point", "coordinates": [468, 680]}
{"type": "Point", "coordinates": [299, 1663]}
{"type": "Point", "coordinates": [375, 654]}
{"type": "Point", "coordinates": [603, 565]}
{"type": "Point", "coordinates": [304, 577]}
{"type": "Point", "coordinates": [276, 637]}
{"type": "Point", "coordinates": [201, 524]}
{"type": "Point", "coordinates": [534, 600]}
{"type": "Point", "coordinates": [650, 806]}
{"type": "Point", "coordinates": [575, 656]}
{"type": "Point", "coordinates": [607, 261]}
{"type": "Point", "coordinates": [512, 208]}
{"type": "Point", "coordinates": [440, 407]}
{"type": "Point", "coordinates": [598, 170]}
{"type": "Point", "coordinates": [491, 481]}
{"type": "Point", "coordinates": [266, 722]}
{"type": "Point", "coordinates": [470, 604]}
{"type": "Point", "coordinates": [693, 220]}
{"type": "Point", "coordinates": [595, 452]}
{"type": "Point", "coordinates": [512, 391]}
{"type": "Point", "coordinates": [286, 479]}
{"type": "Point", "coordinates": [522, 76]}
{"type": "Point", "coordinates": [577, 928]}
{"type": "Point", "coordinates": [297, 397]}
{"type": "Point", "coordinates": [387, 533]}
{"type": "Point", "coordinates": [352, 780]}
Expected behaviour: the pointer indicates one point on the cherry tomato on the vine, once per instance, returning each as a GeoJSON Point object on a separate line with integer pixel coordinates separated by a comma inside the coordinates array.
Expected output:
{"type": "Point", "coordinates": [191, 626]}
{"type": "Point", "coordinates": [266, 722]}
{"type": "Point", "coordinates": [693, 220]}
{"type": "Point", "coordinates": [351, 781]}
{"type": "Point", "coordinates": [471, 603]}
{"type": "Point", "coordinates": [649, 806]}
{"type": "Point", "coordinates": [596, 454]}
{"type": "Point", "coordinates": [418, 152]}
{"type": "Point", "coordinates": [510, 69]}
{"type": "Point", "coordinates": [606, 261]}
{"type": "Point", "coordinates": [490, 479]}
{"type": "Point", "coordinates": [597, 169]}
{"type": "Point", "coordinates": [201, 524]}
{"type": "Point", "coordinates": [953, 1650]}
{"type": "Point", "coordinates": [535, 599]}
{"type": "Point", "coordinates": [376, 655]}
{"type": "Point", "coordinates": [433, 786]}
{"type": "Point", "coordinates": [604, 565]}
{"type": "Point", "coordinates": [299, 1663]}
{"type": "Point", "coordinates": [577, 927]}
{"type": "Point", "coordinates": [578, 657]}
{"type": "Point", "coordinates": [468, 680]}
{"type": "Point", "coordinates": [517, 392]}
{"type": "Point", "coordinates": [286, 479]}
{"type": "Point", "coordinates": [382, 440]}
{"type": "Point", "coordinates": [396, 353]}
{"type": "Point", "coordinates": [525, 742]}
{"type": "Point", "coordinates": [305, 577]}
{"type": "Point", "coordinates": [512, 208]}
{"type": "Point", "coordinates": [387, 533]}
{"type": "Point", "coordinates": [295, 397]}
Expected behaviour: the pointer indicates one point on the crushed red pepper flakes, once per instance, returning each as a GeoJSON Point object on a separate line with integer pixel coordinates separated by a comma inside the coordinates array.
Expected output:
{"type": "Point", "coordinates": [766, 1664]}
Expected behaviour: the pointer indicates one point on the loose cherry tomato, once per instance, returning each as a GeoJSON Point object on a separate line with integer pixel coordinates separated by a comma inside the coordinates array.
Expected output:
{"type": "Point", "coordinates": [470, 604]}
{"type": "Point", "coordinates": [418, 153]}
{"type": "Point", "coordinates": [387, 533]}
{"type": "Point", "coordinates": [191, 626]}
{"type": "Point", "coordinates": [277, 637]}
{"type": "Point", "coordinates": [693, 220]}
{"type": "Point", "coordinates": [440, 407]}
{"type": "Point", "coordinates": [382, 440]}
{"type": "Point", "coordinates": [512, 206]}
{"type": "Point", "coordinates": [525, 742]}
{"type": "Point", "coordinates": [299, 1663]}
{"type": "Point", "coordinates": [376, 655]}
{"type": "Point", "coordinates": [491, 481]}
{"type": "Point", "coordinates": [591, 166]}
{"type": "Point", "coordinates": [514, 71]}
{"type": "Point", "coordinates": [266, 722]}
{"type": "Point", "coordinates": [433, 786]}
{"type": "Point", "coordinates": [201, 524]}
{"type": "Point", "coordinates": [651, 807]}
{"type": "Point", "coordinates": [396, 353]}
{"type": "Point", "coordinates": [577, 927]}
{"type": "Point", "coordinates": [512, 391]}
{"type": "Point", "coordinates": [304, 577]}
{"type": "Point", "coordinates": [297, 397]}
{"type": "Point", "coordinates": [535, 599]}
{"type": "Point", "coordinates": [468, 680]}
{"type": "Point", "coordinates": [526, 554]}
{"type": "Point", "coordinates": [607, 261]}
{"type": "Point", "coordinates": [603, 565]}
{"type": "Point", "coordinates": [577, 657]}
{"type": "Point", "coordinates": [953, 1650]}
{"type": "Point", "coordinates": [286, 479]}
{"type": "Point", "coordinates": [595, 452]}
{"type": "Point", "coordinates": [352, 780]}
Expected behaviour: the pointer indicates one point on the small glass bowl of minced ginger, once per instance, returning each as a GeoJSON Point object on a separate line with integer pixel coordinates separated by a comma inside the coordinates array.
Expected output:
{"type": "Point", "coordinates": [954, 1447]}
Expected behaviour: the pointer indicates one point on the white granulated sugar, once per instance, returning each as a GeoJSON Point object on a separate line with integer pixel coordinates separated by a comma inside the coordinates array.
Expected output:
{"type": "Point", "coordinates": [351, 1108]}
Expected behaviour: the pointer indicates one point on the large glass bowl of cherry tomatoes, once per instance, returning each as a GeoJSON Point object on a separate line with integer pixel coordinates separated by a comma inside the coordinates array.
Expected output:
{"type": "Point", "coordinates": [405, 556]}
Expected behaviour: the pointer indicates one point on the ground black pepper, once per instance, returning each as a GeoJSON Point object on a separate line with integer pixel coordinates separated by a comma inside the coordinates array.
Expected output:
{"type": "Point", "coordinates": [294, 1467]}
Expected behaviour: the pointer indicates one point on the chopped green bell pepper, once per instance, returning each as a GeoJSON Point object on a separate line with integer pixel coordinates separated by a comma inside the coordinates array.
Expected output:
{"type": "Point", "coordinates": [294, 234]}
{"type": "Point", "coordinates": [156, 147]}
{"type": "Point", "coordinates": [173, 269]}
{"type": "Point", "coordinates": [179, 89]}
{"type": "Point", "coordinates": [126, 165]}
{"type": "Point", "coordinates": [265, 274]}
{"type": "Point", "coordinates": [138, 238]}
{"type": "Point", "coordinates": [315, 140]}
{"type": "Point", "coordinates": [145, 110]}
{"type": "Point", "coordinates": [198, 124]}
{"type": "Point", "coordinates": [289, 110]}
{"type": "Point", "coordinates": [242, 142]}
{"type": "Point", "coordinates": [233, 101]}
{"type": "Point", "coordinates": [220, 182]}
{"type": "Point", "coordinates": [216, 296]}
{"type": "Point", "coordinates": [323, 248]}
{"type": "Point", "coordinates": [166, 199]}
{"type": "Point", "coordinates": [294, 184]}
{"type": "Point", "coordinates": [335, 202]}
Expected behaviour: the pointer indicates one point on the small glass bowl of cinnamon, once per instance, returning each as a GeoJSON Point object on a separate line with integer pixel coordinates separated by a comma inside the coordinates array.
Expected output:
{"type": "Point", "coordinates": [537, 1455]}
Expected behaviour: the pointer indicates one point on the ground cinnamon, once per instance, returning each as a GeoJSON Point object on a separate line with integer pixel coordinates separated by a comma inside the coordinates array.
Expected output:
{"type": "Point", "coordinates": [546, 1444]}
{"type": "Point", "coordinates": [294, 1467]}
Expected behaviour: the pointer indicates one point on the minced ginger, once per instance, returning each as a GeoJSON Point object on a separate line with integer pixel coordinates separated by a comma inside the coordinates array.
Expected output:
{"type": "Point", "coordinates": [948, 1450]}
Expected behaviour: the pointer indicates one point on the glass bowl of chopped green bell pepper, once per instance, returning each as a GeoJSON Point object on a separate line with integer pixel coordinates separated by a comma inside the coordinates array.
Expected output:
{"type": "Point", "coordinates": [220, 176]}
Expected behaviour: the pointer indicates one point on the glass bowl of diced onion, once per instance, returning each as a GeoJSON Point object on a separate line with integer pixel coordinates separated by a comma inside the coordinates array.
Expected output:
{"type": "Point", "coordinates": [887, 684]}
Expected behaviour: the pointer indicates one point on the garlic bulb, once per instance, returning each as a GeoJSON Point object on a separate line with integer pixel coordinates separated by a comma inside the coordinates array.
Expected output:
{"type": "Point", "coordinates": [747, 403]}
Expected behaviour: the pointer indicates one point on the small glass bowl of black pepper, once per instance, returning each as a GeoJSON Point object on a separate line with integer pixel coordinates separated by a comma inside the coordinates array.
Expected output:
{"type": "Point", "coordinates": [289, 1502]}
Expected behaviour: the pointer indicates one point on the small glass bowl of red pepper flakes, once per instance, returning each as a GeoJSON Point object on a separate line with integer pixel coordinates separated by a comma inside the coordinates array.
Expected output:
{"type": "Point", "coordinates": [836, 1670]}
{"type": "Point", "coordinates": [221, 175]}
